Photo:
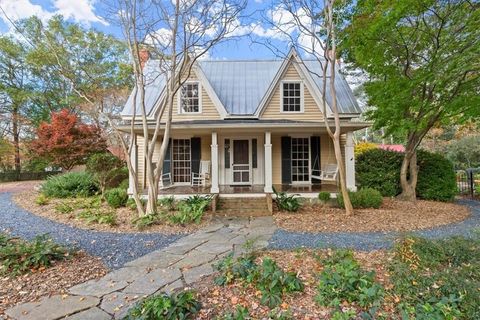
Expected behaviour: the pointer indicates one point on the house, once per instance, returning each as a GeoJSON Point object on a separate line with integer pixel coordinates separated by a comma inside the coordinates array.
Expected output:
{"type": "Point", "coordinates": [257, 124]}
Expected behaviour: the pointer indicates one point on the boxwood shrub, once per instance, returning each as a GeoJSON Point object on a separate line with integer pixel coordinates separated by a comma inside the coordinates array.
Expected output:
{"type": "Point", "coordinates": [380, 169]}
{"type": "Point", "coordinates": [363, 198]}
{"type": "Point", "coordinates": [116, 197]}
{"type": "Point", "coordinates": [71, 184]}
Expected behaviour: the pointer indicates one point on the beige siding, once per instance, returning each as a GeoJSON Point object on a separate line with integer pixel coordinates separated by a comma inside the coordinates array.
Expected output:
{"type": "Point", "coordinates": [206, 142]}
{"type": "Point", "coordinates": [209, 111]}
{"type": "Point", "coordinates": [311, 109]}
{"type": "Point", "coordinates": [276, 159]}
{"type": "Point", "coordinates": [206, 155]}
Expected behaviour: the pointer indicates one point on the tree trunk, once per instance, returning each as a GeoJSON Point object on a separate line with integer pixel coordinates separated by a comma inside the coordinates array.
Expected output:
{"type": "Point", "coordinates": [409, 175]}
{"type": "Point", "coordinates": [16, 138]}
{"type": "Point", "coordinates": [341, 171]}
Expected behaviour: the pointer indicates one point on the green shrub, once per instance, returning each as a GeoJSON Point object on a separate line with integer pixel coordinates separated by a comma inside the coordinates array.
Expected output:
{"type": "Point", "coordinates": [98, 216]}
{"type": "Point", "coordinates": [64, 208]}
{"type": "Point", "coordinates": [363, 198]}
{"type": "Point", "coordinates": [108, 170]}
{"type": "Point", "coordinates": [72, 184]}
{"type": "Point", "coordinates": [436, 179]}
{"type": "Point", "coordinates": [116, 197]}
{"type": "Point", "coordinates": [168, 203]}
{"type": "Point", "coordinates": [240, 313]}
{"type": "Point", "coordinates": [146, 221]}
{"type": "Point", "coordinates": [342, 279]}
{"type": "Point", "coordinates": [268, 278]}
{"type": "Point", "coordinates": [437, 279]}
{"type": "Point", "coordinates": [42, 200]}
{"type": "Point", "coordinates": [324, 196]}
{"type": "Point", "coordinates": [178, 306]}
{"type": "Point", "coordinates": [380, 169]}
{"type": "Point", "coordinates": [286, 202]}
{"type": "Point", "coordinates": [191, 210]}
{"type": "Point", "coordinates": [18, 256]}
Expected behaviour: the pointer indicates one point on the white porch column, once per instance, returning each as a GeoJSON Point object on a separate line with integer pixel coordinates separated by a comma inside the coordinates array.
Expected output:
{"type": "Point", "coordinates": [350, 162]}
{"type": "Point", "coordinates": [133, 161]}
{"type": "Point", "coordinates": [214, 177]}
{"type": "Point", "coordinates": [268, 163]}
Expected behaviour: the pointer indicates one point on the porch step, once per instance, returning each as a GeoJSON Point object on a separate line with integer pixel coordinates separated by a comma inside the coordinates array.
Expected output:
{"type": "Point", "coordinates": [243, 207]}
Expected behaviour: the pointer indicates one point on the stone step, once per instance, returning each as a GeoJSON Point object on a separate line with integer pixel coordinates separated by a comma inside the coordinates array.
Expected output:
{"type": "Point", "coordinates": [244, 212]}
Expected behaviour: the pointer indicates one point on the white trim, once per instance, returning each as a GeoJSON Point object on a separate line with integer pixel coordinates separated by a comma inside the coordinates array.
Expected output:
{"type": "Point", "coordinates": [215, 164]}
{"type": "Point", "coordinates": [179, 98]}
{"type": "Point", "coordinates": [302, 96]}
{"type": "Point", "coordinates": [309, 182]}
{"type": "Point", "coordinates": [232, 164]}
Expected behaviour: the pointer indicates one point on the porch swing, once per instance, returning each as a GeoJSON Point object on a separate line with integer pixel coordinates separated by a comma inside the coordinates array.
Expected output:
{"type": "Point", "coordinates": [329, 171]}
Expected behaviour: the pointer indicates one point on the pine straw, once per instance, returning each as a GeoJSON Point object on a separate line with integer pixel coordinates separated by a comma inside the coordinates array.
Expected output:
{"type": "Point", "coordinates": [393, 215]}
{"type": "Point", "coordinates": [124, 217]}
{"type": "Point", "coordinates": [51, 281]}
{"type": "Point", "coordinates": [217, 300]}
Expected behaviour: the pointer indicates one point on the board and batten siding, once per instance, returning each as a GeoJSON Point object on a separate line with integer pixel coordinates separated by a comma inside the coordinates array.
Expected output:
{"type": "Point", "coordinates": [209, 111]}
{"type": "Point", "coordinates": [311, 110]}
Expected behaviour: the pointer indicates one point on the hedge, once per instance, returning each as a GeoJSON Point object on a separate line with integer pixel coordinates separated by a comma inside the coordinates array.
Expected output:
{"type": "Point", "coordinates": [9, 176]}
{"type": "Point", "coordinates": [380, 169]}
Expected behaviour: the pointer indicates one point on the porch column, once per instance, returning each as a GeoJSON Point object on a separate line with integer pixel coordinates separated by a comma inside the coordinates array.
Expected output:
{"type": "Point", "coordinates": [133, 161]}
{"type": "Point", "coordinates": [350, 162]}
{"type": "Point", "coordinates": [268, 163]}
{"type": "Point", "coordinates": [214, 150]}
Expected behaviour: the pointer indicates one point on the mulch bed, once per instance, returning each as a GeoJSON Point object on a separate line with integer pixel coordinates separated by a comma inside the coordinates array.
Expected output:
{"type": "Point", "coordinates": [217, 300]}
{"type": "Point", "coordinates": [51, 281]}
{"type": "Point", "coordinates": [393, 215]}
{"type": "Point", "coordinates": [124, 216]}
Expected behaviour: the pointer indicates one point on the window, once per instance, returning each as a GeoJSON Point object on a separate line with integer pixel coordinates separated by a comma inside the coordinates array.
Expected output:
{"type": "Point", "coordinates": [292, 97]}
{"type": "Point", "coordinates": [190, 98]}
{"type": "Point", "coordinates": [181, 151]}
{"type": "Point", "coordinates": [300, 162]}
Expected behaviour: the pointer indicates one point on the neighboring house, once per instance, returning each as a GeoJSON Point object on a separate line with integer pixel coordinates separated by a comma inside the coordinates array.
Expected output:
{"type": "Point", "coordinates": [256, 124]}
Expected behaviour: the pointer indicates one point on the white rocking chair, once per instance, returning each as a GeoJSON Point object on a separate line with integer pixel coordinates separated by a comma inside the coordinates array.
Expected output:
{"type": "Point", "coordinates": [166, 180]}
{"type": "Point", "coordinates": [200, 178]}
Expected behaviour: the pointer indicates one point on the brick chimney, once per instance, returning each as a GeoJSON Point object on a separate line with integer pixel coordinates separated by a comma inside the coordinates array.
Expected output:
{"type": "Point", "coordinates": [144, 55]}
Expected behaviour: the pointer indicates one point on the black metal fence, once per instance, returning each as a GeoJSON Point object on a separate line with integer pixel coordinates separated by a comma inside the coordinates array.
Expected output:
{"type": "Point", "coordinates": [468, 182]}
{"type": "Point", "coordinates": [24, 175]}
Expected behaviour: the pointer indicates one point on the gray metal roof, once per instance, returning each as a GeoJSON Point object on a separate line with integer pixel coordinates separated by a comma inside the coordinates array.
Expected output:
{"type": "Point", "coordinates": [346, 101]}
{"type": "Point", "coordinates": [154, 84]}
{"type": "Point", "coordinates": [241, 85]}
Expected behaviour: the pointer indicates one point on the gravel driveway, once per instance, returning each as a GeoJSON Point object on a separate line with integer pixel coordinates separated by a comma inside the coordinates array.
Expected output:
{"type": "Point", "coordinates": [283, 239]}
{"type": "Point", "coordinates": [115, 249]}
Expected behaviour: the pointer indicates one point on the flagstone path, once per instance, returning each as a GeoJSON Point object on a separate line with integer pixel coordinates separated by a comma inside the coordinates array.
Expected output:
{"type": "Point", "coordinates": [178, 265]}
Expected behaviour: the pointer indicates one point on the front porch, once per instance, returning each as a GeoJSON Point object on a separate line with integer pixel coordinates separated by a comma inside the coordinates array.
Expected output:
{"type": "Point", "coordinates": [243, 163]}
{"type": "Point", "coordinates": [307, 191]}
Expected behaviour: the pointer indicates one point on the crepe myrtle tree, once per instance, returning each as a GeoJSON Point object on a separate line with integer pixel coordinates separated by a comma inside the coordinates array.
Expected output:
{"type": "Point", "coordinates": [311, 27]}
{"type": "Point", "coordinates": [177, 33]}
{"type": "Point", "coordinates": [423, 61]}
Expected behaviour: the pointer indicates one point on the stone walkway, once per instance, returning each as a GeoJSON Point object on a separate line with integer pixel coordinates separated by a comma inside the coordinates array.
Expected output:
{"type": "Point", "coordinates": [178, 265]}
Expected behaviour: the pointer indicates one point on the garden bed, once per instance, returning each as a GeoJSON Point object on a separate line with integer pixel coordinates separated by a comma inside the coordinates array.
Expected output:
{"type": "Point", "coordinates": [393, 215]}
{"type": "Point", "coordinates": [219, 300]}
{"type": "Point", "coordinates": [123, 216]}
{"type": "Point", "coordinates": [50, 281]}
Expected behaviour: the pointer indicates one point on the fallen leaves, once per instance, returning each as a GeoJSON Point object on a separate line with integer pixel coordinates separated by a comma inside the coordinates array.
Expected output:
{"type": "Point", "coordinates": [217, 300]}
{"type": "Point", "coordinates": [393, 215]}
{"type": "Point", "coordinates": [49, 281]}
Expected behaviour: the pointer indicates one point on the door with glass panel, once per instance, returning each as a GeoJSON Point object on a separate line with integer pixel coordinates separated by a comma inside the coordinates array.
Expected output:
{"type": "Point", "coordinates": [181, 160]}
{"type": "Point", "coordinates": [241, 162]}
{"type": "Point", "coordinates": [300, 160]}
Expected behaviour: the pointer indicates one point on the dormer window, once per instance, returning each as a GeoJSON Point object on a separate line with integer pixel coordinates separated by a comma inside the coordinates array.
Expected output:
{"type": "Point", "coordinates": [190, 98]}
{"type": "Point", "coordinates": [292, 96]}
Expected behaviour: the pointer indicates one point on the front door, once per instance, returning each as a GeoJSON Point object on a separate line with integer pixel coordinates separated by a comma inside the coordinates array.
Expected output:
{"type": "Point", "coordinates": [241, 162]}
